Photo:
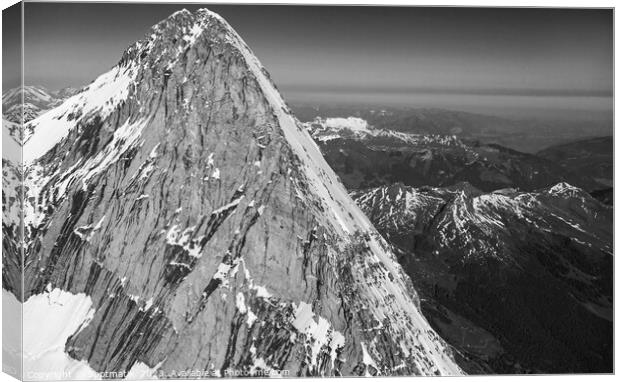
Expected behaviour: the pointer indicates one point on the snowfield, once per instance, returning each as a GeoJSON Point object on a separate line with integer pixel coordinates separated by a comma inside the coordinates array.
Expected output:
{"type": "Point", "coordinates": [44, 356]}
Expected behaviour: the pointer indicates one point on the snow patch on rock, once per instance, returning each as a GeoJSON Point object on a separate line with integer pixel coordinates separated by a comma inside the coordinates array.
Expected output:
{"type": "Point", "coordinates": [99, 99]}
{"type": "Point", "coordinates": [354, 124]}
{"type": "Point", "coordinates": [49, 319]}
{"type": "Point", "coordinates": [185, 240]}
{"type": "Point", "coordinates": [318, 333]}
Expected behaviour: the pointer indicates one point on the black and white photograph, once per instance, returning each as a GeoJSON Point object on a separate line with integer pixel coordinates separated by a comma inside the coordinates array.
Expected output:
{"type": "Point", "coordinates": [201, 190]}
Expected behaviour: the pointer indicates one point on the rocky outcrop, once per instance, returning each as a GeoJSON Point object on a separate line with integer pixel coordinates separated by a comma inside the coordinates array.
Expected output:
{"type": "Point", "coordinates": [181, 196]}
{"type": "Point", "coordinates": [517, 282]}
{"type": "Point", "coordinates": [12, 189]}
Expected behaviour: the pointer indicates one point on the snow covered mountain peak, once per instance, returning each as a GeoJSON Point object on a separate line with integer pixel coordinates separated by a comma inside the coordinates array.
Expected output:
{"type": "Point", "coordinates": [179, 192]}
{"type": "Point", "coordinates": [566, 189]}
{"type": "Point", "coordinates": [177, 37]}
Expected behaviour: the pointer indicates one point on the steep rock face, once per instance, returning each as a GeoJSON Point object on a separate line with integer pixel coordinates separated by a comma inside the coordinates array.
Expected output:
{"type": "Point", "coordinates": [12, 189]}
{"type": "Point", "coordinates": [516, 282]}
{"type": "Point", "coordinates": [366, 156]}
{"type": "Point", "coordinates": [181, 196]}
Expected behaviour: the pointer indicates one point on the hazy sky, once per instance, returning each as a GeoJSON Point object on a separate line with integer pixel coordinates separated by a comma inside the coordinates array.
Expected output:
{"type": "Point", "coordinates": [352, 50]}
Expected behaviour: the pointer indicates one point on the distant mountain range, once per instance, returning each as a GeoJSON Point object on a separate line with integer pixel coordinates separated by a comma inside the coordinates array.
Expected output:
{"type": "Point", "coordinates": [365, 156]}
{"type": "Point", "coordinates": [525, 135]}
{"type": "Point", "coordinates": [517, 282]}
{"type": "Point", "coordinates": [498, 242]}
{"type": "Point", "coordinates": [594, 157]}
{"type": "Point", "coordinates": [36, 100]}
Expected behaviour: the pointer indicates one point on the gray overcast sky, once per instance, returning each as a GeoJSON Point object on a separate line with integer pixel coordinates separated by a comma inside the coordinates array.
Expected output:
{"type": "Point", "coordinates": [339, 49]}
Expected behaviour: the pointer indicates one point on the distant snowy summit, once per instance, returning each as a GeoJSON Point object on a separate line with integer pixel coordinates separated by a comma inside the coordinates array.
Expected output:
{"type": "Point", "coordinates": [327, 129]}
{"type": "Point", "coordinates": [32, 101]}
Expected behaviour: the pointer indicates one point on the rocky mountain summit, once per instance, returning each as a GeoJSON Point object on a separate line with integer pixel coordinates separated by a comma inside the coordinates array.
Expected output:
{"type": "Point", "coordinates": [187, 222]}
{"type": "Point", "coordinates": [517, 282]}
